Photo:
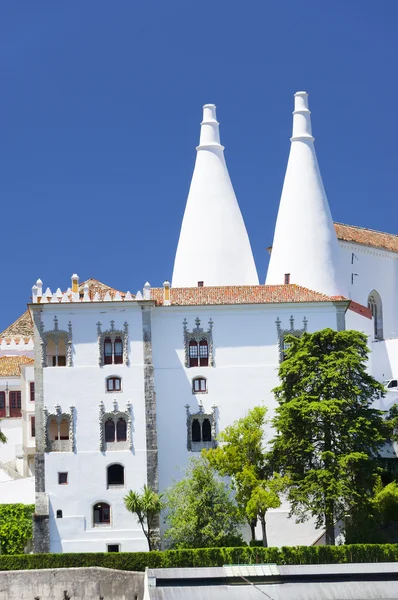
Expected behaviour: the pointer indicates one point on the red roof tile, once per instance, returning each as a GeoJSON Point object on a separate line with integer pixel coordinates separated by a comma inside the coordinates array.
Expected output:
{"type": "Point", "coordinates": [367, 237]}
{"type": "Point", "coordinates": [9, 365]}
{"type": "Point", "coordinates": [241, 294]}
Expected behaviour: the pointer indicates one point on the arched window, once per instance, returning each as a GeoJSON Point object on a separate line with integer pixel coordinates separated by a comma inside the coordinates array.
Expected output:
{"type": "Point", "coordinates": [376, 307]}
{"type": "Point", "coordinates": [193, 353]}
{"type": "Point", "coordinates": [118, 351]}
{"type": "Point", "coordinates": [203, 353]}
{"type": "Point", "coordinates": [113, 384]}
{"type": "Point", "coordinates": [121, 430]}
{"type": "Point", "coordinates": [115, 476]}
{"type": "Point", "coordinates": [101, 514]}
{"type": "Point", "coordinates": [109, 430]}
{"type": "Point", "coordinates": [206, 431]}
{"type": "Point", "coordinates": [107, 351]}
{"type": "Point", "coordinates": [199, 385]}
{"type": "Point", "coordinates": [196, 433]}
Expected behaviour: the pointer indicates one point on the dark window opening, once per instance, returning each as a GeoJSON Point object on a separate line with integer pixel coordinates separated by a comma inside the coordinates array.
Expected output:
{"type": "Point", "coordinates": [200, 283]}
{"type": "Point", "coordinates": [113, 547]}
{"type": "Point", "coordinates": [196, 433]}
{"type": "Point", "coordinates": [62, 478]}
{"type": "Point", "coordinates": [59, 514]}
{"type": "Point", "coordinates": [32, 391]}
{"type": "Point", "coordinates": [118, 351]}
{"type": "Point", "coordinates": [33, 426]}
{"type": "Point", "coordinates": [101, 514]}
{"type": "Point", "coordinates": [287, 278]}
{"type": "Point", "coordinates": [206, 430]}
{"type": "Point", "coordinates": [193, 353]}
{"type": "Point", "coordinates": [109, 430]}
{"type": "Point", "coordinates": [107, 351]}
{"type": "Point", "coordinates": [113, 384]}
{"type": "Point", "coordinates": [115, 475]}
{"type": "Point", "coordinates": [121, 430]}
{"type": "Point", "coordinates": [393, 383]}
{"type": "Point", "coordinates": [2, 404]}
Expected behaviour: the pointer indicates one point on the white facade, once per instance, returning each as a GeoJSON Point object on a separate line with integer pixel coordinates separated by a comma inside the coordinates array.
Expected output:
{"type": "Point", "coordinates": [158, 389]}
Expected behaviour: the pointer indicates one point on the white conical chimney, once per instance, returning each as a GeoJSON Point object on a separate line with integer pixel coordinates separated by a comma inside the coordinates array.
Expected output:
{"type": "Point", "coordinates": [214, 248]}
{"type": "Point", "coordinates": [305, 250]}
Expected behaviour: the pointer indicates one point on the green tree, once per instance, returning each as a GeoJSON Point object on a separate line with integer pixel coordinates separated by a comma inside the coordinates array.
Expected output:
{"type": "Point", "coordinates": [147, 506]}
{"type": "Point", "coordinates": [328, 434]}
{"type": "Point", "coordinates": [241, 457]}
{"type": "Point", "coordinates": [3, 438]}
{"type": "Point", "coordinates": [201, 512]}
{"type": "Point", "coordinates": [16, 527]}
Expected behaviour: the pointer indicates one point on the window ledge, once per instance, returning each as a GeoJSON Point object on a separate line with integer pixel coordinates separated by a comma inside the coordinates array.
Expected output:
{"type": "Point", "coordinates": [116, 486]}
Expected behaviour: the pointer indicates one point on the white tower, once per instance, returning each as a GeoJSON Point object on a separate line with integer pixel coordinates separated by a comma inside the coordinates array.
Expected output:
{"type": "Point", "coordinates": [214, 247]}
{"type": "Point", "coordinates": [305, 250]}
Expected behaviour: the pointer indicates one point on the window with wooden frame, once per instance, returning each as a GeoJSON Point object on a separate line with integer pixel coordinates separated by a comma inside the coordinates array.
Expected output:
{"type": "Point", "coordinates": [101, 514]}
{"type": "Point", "coordinates": [2, 404]}
{"type": "Point", "coordinates": [118, 351]}
{"type": "Point", "coordinates": [32, 391]}
{"type": "Point", "coordinates": [121, 430]}
{"type": "Point", "coordinates": [108, 352]}
{"type": "Point", "coordinates": [110, 430]}
{"type": "Point", "coordinates": [203, 353]}
{"type": "Point", "coordinates": [32, 427]}
{"type": "Point", "coordinates": [199, 385]}
{"type": "Point", "coordinates": [15, 404]}
{"type": "Point", "coordinates": [193, 353]}
{"type": "Point", "coordinates": [113, 384]}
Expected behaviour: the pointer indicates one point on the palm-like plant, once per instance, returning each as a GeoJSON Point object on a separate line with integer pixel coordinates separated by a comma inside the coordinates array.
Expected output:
{"type": "Point", "coordinates": [147, 507]}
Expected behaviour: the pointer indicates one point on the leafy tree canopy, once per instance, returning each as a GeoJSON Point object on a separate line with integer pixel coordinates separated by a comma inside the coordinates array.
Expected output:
{"type": "Point", "coordinates": [328, 435]}
{"type": "Point", "coordinates": [201, 513]}
{"type": "Point", "coordinates": [16, 527]}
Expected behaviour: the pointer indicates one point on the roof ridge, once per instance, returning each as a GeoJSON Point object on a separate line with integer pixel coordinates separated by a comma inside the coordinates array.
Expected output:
{"type": "Point", "coordinates": [365, 228]}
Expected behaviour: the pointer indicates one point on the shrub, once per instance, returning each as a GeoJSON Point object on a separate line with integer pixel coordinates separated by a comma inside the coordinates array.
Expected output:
{"type": "Point", "coordinates": [206, 557]}
{"type": "Point", "coordinates": [15, 527]}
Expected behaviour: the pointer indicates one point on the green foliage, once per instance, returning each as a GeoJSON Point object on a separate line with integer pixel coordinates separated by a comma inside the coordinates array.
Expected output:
{"type": "Point", "coordinates": [147, 506]}
{"type": "Point", "coordinates": [3, 438]}
{"type": "Point", "coordinates": [206, 557]}
{"type": "Point", "coordinates": [328, 434]}
{"type": "Point", "coordinates": [200, 510]}
{"type": "Point", "coordinates": [15, 527]}
{"type": "Point", "coordinates": [241, 457]}
{"type": "Point", "coordinates": [386, 503]}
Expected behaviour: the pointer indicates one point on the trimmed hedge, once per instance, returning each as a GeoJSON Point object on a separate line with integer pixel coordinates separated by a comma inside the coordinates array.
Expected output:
{"type": "Point", "coordinates": [206, 557]}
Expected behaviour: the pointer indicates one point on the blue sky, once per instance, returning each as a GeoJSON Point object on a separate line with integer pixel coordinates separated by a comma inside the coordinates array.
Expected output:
{"type": "Point", "coordinates": [100, 105]}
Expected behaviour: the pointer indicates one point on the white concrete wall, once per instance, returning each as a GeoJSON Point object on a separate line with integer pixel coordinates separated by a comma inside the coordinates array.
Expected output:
{"type": "Point", "coordinates": [84, 386]}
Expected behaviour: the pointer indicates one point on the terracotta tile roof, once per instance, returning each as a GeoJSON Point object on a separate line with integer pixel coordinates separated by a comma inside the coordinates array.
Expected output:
{"type": "Point", "coordinates": [367, 237]}
{"type": "Point", "coordinates": [240, 294]}
{"type": "Point", "coordinates": [9, 365]}
{"type": "Point", "coordinates": [22, 327]}
{"type": "Point", "coordinates": [95, 286]}
{"type": "Point", "coordinates": [362, 310]}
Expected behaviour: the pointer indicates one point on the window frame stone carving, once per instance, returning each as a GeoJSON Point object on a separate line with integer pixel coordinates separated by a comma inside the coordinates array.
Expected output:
{"type": "Point", "coordinates": [115, 414]}
{"type": "Point", "coordinates": [198, 334]}
{"type": "Point", "coordinates": [201, 416]}
{"type": "Point", "coordinates": [113, 333]}
{"type": "Point", "coordinates": [60, 445]}
{"type": "Point", "coordinates": [282, 333]}
{"type": "Point", "coordinates": [56, 334]}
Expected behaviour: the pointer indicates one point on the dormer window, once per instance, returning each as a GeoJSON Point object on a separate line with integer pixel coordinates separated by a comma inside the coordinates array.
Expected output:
{"type": "Point", "coordinates": [199, 385]}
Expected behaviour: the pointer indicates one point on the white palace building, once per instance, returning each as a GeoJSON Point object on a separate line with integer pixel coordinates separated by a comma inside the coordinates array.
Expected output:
{"type": "Point", "coordinates": [127, 387]}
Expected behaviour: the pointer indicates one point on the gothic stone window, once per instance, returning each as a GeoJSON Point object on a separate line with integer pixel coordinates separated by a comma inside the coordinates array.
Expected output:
{"type": "Point", "coordinates": [282, 333]}
{"type": "Point", "coordinates": [57, 346]}
{"type": "Point", "coordinates": [115, 428]}
{"type": "Point", "coordinates": [376, 307]}
{"type": "Point", "coordinates": [198, 345]}
{"type": "Point", "coordinates": [113, 345]}
{"type": "Point", "coordinates": [201, 429]}
{"type": "Point", "coordinates": [59, 430]}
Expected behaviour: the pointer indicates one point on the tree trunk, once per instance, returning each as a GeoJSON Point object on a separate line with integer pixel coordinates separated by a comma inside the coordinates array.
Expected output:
{"type": "Point", "coordinates": [253, 523]}
{"type": "Point", "coordinates": [329, 524]}
{"type": "Point", "coordinates": [264, 531]}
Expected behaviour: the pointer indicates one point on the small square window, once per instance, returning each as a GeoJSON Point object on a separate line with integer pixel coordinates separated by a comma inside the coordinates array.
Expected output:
{"type": "Point", "coordinates": [59, 514]}
{"type": "Point", "coordinates": [113, 547]}
{"type": "Point", "coordinates": [62, 478]}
